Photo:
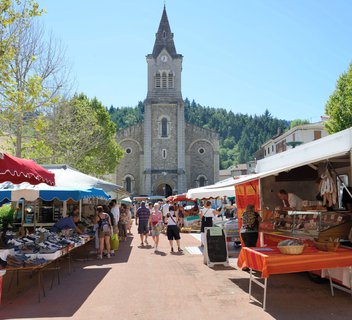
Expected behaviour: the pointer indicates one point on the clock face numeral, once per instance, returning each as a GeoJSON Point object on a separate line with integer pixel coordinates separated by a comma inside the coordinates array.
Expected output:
{"type": "Point", "coordinates": [163, 58]}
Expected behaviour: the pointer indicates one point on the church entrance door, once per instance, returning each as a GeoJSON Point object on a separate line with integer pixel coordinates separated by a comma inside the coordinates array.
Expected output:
{"type": "Point", "coordinates": [164, 190]}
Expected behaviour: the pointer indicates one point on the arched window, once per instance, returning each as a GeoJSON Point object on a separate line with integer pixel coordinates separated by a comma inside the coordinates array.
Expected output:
{"type": "Point", "coordinates": [171, 80]}
{"type": "Point", "coordinates": [164, 80]}
{"type": "Point", "coordinates": [201, 181]}
{"type": "Point", "coordinates": [157, 80]}
{"type": "Point", "coordinates": [128, 184]}
{"type": "Point", "coordinates": [164, 127]}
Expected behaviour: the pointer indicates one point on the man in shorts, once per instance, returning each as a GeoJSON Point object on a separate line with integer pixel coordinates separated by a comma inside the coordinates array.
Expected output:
{"type": "Point", "coordinates": [142, 217]}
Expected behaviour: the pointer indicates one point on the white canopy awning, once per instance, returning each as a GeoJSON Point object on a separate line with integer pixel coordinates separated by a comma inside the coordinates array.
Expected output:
{"type": "Point", "coordinates": [211, 191]}
{"type": "Point", "coordinates": [65, 176]}
{"type": "Point", "coordinates": [326, 148]}
{"type": "Point", "coordinates": [331, 146]}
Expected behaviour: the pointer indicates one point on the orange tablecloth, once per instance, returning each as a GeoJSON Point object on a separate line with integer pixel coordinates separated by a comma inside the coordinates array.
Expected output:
{"type": "Point", "coordinates": [270, 261]}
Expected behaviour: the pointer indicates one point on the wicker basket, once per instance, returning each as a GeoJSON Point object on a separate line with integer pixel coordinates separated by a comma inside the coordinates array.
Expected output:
{"type": "Point", "coordinates": [326, 245]}
{"type": "Point", "coordinates": [291, 249]}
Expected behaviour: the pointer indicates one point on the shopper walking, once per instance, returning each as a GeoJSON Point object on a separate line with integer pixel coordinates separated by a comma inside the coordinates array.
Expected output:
{"type": "Point", "coordinates": [142, 218]}
{"type": "Point", "coordinates": [250, 226]}
{"type": "Point", "coordinates": [103, 221]}
{"type": "Point", "coordinates": [206, 215]}
{"type": "Point", "coordinates": [173, 231]}
{"type": "Point", "coordinates": [155, 220]}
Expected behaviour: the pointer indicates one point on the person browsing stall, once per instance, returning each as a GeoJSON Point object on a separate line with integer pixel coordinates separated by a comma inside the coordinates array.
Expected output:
{"type": "Point", "coordinates": [102, 219]}
{"type": "Point", "coordinates": [290, 201]}
{"type": "Point", "coordinates": [250, 226]}
{"type": "Point", "coordinates": [68, 222]}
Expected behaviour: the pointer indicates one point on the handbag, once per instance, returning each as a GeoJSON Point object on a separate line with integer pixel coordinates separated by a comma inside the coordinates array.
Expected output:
{"type": "Point", "coordinates": [172, 218]}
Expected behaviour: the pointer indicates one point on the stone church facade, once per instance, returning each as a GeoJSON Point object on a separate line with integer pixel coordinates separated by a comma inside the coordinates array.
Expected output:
{"type": "Point", "coordinates": [164, 155]}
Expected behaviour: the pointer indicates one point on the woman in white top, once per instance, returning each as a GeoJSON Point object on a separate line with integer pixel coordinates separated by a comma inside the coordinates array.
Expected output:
{"type": "Point", "coordinates": [173, 232]}
{"type": "Point", "coordinates": [206, 214]}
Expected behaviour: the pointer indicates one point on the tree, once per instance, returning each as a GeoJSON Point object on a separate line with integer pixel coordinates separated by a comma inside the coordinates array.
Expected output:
{"type": "Point", "coordinates": [36, 76]}
{"type": "Point", "coordinates": [339, 105]}
{"type": "Point", "coordinates": [81, 134]}
{"type": "Point", "coordinates": [9, 16]}
{"type": "Point", "coordinates": [298, 122]}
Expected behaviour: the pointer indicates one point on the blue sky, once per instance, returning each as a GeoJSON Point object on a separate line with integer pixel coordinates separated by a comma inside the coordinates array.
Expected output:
{"type": "Point", "coordinates": [245, 56]}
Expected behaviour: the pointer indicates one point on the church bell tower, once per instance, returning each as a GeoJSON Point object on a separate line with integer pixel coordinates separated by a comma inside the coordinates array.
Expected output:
{"type": "Point", "coordinates": [164, 121]}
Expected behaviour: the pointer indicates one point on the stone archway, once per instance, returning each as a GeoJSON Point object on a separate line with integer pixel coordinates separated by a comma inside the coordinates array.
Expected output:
{"type": "Point", "coordinates": [163, 189]}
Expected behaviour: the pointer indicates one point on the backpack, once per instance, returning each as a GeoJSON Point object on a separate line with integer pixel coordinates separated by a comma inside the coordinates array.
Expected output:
{"type": "Point", "coordinates": [104, 224]}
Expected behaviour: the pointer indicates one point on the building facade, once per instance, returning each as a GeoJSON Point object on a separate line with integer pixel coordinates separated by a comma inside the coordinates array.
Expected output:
{"type": "Point", "coordinates": [290, 139]}
{"type": "Point", "coordinates": [164, 155]}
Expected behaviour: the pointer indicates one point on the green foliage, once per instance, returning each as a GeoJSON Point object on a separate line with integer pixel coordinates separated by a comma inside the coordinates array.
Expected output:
{"type": "Point", "coordinates": [125, 116]}
{"type": "Point", "coordinates": [241, 135]}
{"type": "Point", "coordinates": [23, 88]}
{"type": "Point", "coordinates": [298, 122]}
{"type": "Point", "coordinates": [339, 105]}
{"type": "Point", "coordinates": [7, 212]}
{"type": "Point", "coordinates": [79, 133]}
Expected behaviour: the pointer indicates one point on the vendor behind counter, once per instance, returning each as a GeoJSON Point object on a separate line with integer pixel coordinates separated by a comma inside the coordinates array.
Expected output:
{"type": "Point", "coordinates": [68, 222]}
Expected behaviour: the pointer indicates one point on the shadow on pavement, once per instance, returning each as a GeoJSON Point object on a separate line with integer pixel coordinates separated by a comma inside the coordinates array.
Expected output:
{"type": "Point", "coordinates": [294, 296]}
{"type": "Point", "coordinates": [62, 301]}
{"type": "Point", "coordinates": [88, 254]}
{"type": "Point", "coordinates": [65, 299]}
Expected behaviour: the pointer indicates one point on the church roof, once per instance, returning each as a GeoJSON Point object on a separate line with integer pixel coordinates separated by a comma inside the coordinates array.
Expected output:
{"type": "Point", "coordinates": [164, 38]}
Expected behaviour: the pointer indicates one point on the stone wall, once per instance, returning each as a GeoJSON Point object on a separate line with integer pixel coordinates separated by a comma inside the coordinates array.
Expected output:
{"type": "Point", "coordinates": [202, 155]}
{"type": "Point", "coordinates": [131, 141]}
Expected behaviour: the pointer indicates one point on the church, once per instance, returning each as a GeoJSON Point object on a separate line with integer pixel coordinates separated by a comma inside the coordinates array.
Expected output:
{"type": "Point", "coordinates": [165, 155]}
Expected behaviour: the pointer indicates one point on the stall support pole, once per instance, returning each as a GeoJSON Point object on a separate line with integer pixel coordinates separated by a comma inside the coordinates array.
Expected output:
{"type": "Point", "coordinates": [80, 209]}
{"type": "Point", "coordinates": [350, 182]}
{"type": "Point", "coordinates": [337, 286]}
{"type": "Point", "coordinates": [260, 284]}
{"type": "Point", "coordinates": [64, 209]}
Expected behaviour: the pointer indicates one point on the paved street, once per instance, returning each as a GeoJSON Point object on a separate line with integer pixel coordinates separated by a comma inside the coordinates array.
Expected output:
{"type": "Point", "coordinates": [138, 284]}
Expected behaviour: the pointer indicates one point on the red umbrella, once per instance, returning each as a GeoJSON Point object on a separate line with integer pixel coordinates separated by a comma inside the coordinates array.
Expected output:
{"type": "Point", "coordinates": [180, 197]}
{"type": "Point", "coordinates": [17, 170]}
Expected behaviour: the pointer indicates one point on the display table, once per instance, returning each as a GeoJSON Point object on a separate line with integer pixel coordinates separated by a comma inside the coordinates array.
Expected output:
{"type": "Point", "coordinates": [50, 264]}
{"type": "Point", "coordinates": [270, 260]}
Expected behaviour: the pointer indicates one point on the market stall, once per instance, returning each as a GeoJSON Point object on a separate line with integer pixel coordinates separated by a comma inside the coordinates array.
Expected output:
{"type": "Point", "coordinates": [320, 168]}
{"type": "Point", "coordinates": [43, 205]}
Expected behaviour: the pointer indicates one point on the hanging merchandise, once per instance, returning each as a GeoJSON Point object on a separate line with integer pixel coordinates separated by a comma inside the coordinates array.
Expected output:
{"type": "Point", "coordinates": [328, 189]}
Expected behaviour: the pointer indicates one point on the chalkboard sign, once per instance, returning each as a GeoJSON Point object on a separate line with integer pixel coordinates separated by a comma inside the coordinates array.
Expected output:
{"type": "Point", "coordinates": [215, 250]}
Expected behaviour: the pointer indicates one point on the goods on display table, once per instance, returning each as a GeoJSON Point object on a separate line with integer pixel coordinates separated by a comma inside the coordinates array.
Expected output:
{"type": "Point", "coordinates": [306, 225]}
{"type": "Point", "coordinates": [37, 250]}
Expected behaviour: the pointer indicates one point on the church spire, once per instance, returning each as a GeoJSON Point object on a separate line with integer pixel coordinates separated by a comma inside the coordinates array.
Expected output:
{"type": "Point", "coordinates": [164, 38]}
